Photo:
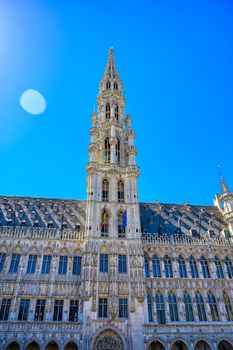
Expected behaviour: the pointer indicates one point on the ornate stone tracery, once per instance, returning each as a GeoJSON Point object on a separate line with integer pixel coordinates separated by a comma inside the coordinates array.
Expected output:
{"type": "Point", "coordinates": [108, 340]}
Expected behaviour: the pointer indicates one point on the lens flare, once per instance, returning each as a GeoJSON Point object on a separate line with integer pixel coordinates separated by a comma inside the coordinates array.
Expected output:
{"type": "Point", "coordinates": [33, 102]}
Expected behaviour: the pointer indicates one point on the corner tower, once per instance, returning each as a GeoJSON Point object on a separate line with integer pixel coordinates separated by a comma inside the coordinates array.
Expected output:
{"type": "Point", "coordinates": [113, 285]}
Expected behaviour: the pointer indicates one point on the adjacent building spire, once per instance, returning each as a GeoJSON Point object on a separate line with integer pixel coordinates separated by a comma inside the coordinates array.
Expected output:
{"type": "Point", "coordinates": [225, 189]}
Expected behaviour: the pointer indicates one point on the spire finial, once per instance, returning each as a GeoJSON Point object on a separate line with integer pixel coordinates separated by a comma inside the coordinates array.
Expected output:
{"type": "Point", "coordinates": [111, 71]}
{"type": "Point", "coordinates": [225, 189]}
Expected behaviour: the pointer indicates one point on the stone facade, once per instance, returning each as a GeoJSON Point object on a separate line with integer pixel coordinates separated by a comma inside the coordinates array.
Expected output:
{"type": "Point", "coordinates": [110, 272]}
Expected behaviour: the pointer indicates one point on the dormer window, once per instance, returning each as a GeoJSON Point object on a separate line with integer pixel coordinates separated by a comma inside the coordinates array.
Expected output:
{"type": "Point", "coordinates": [115, 85]}
{"type": "Point", "coordinates": [108, 85]}
{"type": "Point", "coordinates": [117, 113]}
{"type": "Point", "coordinates": [107, 111]}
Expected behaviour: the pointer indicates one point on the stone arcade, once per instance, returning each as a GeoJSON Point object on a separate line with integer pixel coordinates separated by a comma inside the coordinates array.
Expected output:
{"type": "Point", "coordinates": [111, 273]}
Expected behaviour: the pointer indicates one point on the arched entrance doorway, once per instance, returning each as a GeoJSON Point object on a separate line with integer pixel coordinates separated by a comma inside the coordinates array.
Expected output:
{"type": "Point", "coordinates": [179, 345]}
{"type": "Point", "coordinates": [224, 345]}
{"type": "Point", "coordinates": [156, 345]}
{"type": "Point", "coordinates": [108, 340]}
{"type": "Point", "coordinates": [33, 346]}
{"type": "Point", "coordinates": [13, 346]}
{"type": "Point", "coordinates": [202, 345]}
{"type": "Point", "coordinates": [71, 346]}
{"type": "Point", "coordinates": [52, 346]}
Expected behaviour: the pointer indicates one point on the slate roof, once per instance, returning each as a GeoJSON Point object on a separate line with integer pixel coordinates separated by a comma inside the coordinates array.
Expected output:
{"type": "Point", "coordinates": [156, 218]}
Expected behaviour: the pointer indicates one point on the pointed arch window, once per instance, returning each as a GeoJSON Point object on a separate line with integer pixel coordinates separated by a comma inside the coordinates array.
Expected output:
{"type": "Point", "coordinates": [115, 85]}
{"type": "Point", "coordinates": [160, 308]}
{"type": "Point", "coordinates": [149, 308]}
{"type": "Point", "coordinates": [205, 267]}
{"type": "Point", "coordinates": [193, 267]}
{"type": "Point", "coordinates": [108, 85]}
{"type": "Point", "coordinates": [120, 191]}
{"type": "Point", "coordinates": [117, 112]}
{"type": "Point", "coordinates": [173, 307]}
{"type": "Point", "coordinates": [107, 111]}
{"type": "Point", "coordinates": [168, 266]}
{"type": "Point", "coordinates": [121, 228]}
{"type": "Point", "coordinates": [200, 307]}
{"type": "Point", "coordinates": [118, 151]}
{"type": "Point", "coordinates": [219, 269]}
{"type": "Point", "coordinates": [104, 223]}
{"type": "Point", "coordinates": [182, 267]}
{"type": "Point", "coordinates": [156, 266]}
{"type": "Point", "coordinates": [107, 151]}
{"type": "Point", "coordinates": [228, 306]}
{"type": "Point", "coordinates": [105, 190]}
{"type": "Point", "coordinates": [146, 262]}
{"type": "Point", "coordinates": [229, 267]}
{"type": "Point", "coordinates": [213, 307]}
{"type": "Point", "coordinates": [188, 307]}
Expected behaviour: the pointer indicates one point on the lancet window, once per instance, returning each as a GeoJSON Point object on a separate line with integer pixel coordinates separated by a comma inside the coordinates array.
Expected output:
{"type": "Point", "coordinates": [105, 190]}
{"type": "Point", "coordinates": [188, 307]}
{"type": "Point", "coordinates": [115, 85]}
{"type": "Point", "coordinates": [117, 112]}
{"type": "Point", "coordinates": [121, 227]}
{"type": "Point", "coordinates": [107, 151]}
{"type": "Point", "coordinates": [205, 267]}
{"type": "Point", "coordinates": [168, 266]}
{"type": "Point", "coordinates": [120, 191]}
{"type": "Point", "coordinates": [228, 307]}
{"type": "Point", "coordinates": [149, 308]}
{"type": "Point", "coordinates": [108, 85]}
{"type": "Point", "coordinates": [182, 267]}
{"type": "Point", "coordinates": [213, 307]}
{"type": "Point", "coordinates": [104, 224]}
{"type": "Point", "coordinates": [118, 151]}
{"type": "Point", "coordinates": [160, 308]}
{"type": "Point", "coordinates": [193, 267]}
{"type": "Point", "coordinates": [156, 266]}
{"type": "Point", "coordinates": [229, 267]}
{"type": "Point", "coordinates": [219, 269]}
{"type": "Point", "coordinates": [200, 307]}
{"type": "Point", "coordinates": [107, 111]}
{"type": "Point", "coordinates": [173, 307]}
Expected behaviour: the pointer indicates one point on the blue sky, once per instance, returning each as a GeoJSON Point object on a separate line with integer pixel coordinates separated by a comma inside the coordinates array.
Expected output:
{"type": "Point", "coordinates": [176, 62]}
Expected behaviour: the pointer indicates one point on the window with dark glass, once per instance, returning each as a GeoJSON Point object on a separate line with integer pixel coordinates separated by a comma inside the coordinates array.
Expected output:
{"type": "Point", "coordinates": [146, 264]}
{"type": "Point", "coordinates": [123, 308]}
{"type": "Point", "coordinates": [14, 263]}
{"type": "Point", "coordinates": [120, 191]}
{"type": "Point", "coordinates": [5, 309]}
{"type": "Point", "coordinates": [228, 307]}
{"type": "Point", "coordinates": [219, 270]}
{"type": "Point", "coordinates": [229, 267]}
{"type": "Point", "coordinates": [62, 268]}
{"type": "Point", "coordinates": [40, 307]}
{"type": "Point", "coordinates": [182, 267]}
{"type": "Point", "coordinates": [103, 308]}
{"type": "Point", "coordinates": [104, 223]}
{"type": "Point", "coordinates": [117, 112]}
{"type": "Point", "coordinates": [115, 85]}
{"type": "Point", "coordinates": [31, 268]}
{"type": "Point", "coordinates": [188, 307]}
{"type": "Point", "coordinates": [122, 268]}
{"type": "Point", "coordinates": [58, 310]}
{"type": "Point", "coordinates": [168, 266]}
{"type": "Point", "coordinates": [23, 310]}
{"type": "Point", "coordinates": [213, 307]}
{"type": "Point", "coordinates": [2, 261]}
{"type": "Point", "coordinates": [103, 262]}
{"type": "Point", "coordinates": [77, 265]}
{"type": "Point", "coordinates": [205, 267]}
{"type": "Point", "coordinates": [105, 190]}
{"type": "Point", "coordinates": [156, 266]}
{"type": "Point", "coordinates": [108, 85]}
{"type": "Point", "coordinates": [107, 151]}
{"type": "Point", "coordinates": [107, 111]}
{"type": "Point", "coordinates": [121, 228]}
{"type": "Point", "coordinates": [173, 307]}
{"type": "Point", "coordinates": [160, 308]}
{"type": "Point", "coordinates": [200, 307]}
{"type": "Point", "coordinates": [46, 264]}
{"type": "Point", "coordinates": [193, 267]}
{"type": "Point", "coordinates": [74, 306]}
{"type": "Point", "coordinates": [149, 308]}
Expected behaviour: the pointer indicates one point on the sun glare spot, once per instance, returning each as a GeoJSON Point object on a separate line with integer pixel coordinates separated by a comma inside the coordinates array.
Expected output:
{"type": "Point", "coordinates": [33, 102]}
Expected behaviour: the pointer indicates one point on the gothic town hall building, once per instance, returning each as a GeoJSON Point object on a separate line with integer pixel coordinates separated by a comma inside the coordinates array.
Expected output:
{"type": "Point", "coordinates": [111, 273]}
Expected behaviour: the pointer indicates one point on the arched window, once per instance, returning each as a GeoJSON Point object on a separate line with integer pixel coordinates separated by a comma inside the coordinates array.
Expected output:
{"type": "Point", "coordinates": [160, 307]}
{"type": "Point", "coordinates": [228, 307]}
{"type": "Point", "coordinates": [229, 267]}
{"type": "Point", "coordinates": [193, 267]}
{"type": "Point", "coordinates": [107, 151]}
{"type": "Point", "coordinates": [104, 223]}
{"type": "Point", "coordinates": [173, 307]}
{"type": "Point", "coordinates": [188, 307]}
{"type": "Point", "coordinates": [105, 190]}
{"type": "Point", "coordinates": [213, 307]}
{"type": "Point", "coordinates": [156, 266]}
{"type": "Point", "coordinates": [182, 267]}
{"type": "Point", "coordinates": [149, 308]}
{"type": "Point", "coordinates": [168, 266]}
{"type": "Point", "coordinates": [205, 267]}
{"type": "Point", "coordinates": [146, 262]}
{"type": "Point", "coordinates": [107, 111]}
{"type": "Point", "coordinates": [117, 112]}
{"type": "Point", "coordinates": [200, 307]}
{"type": "Point", "coordinates": [118, 151]}
{"type": "Point", "coordinates": [219, 269]}
{"type": "Point", "coordinates": [121, 228]}
{"type": "Point", "coordinates": [120, 191]}
{"type": "Point", "coordinates": [108, 85]}
{"type": "Point", "coordinates": [115, 85]}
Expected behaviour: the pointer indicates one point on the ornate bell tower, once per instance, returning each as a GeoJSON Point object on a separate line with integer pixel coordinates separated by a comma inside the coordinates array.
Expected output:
{"type": "Point", "coordinates": [113, 261]}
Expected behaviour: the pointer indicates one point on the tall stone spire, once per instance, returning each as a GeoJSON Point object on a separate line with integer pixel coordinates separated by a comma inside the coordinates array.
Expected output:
{"type": "Point", "coordinates": [225, 189]}
{"type": "Point", "coordinates": [110, 70]}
